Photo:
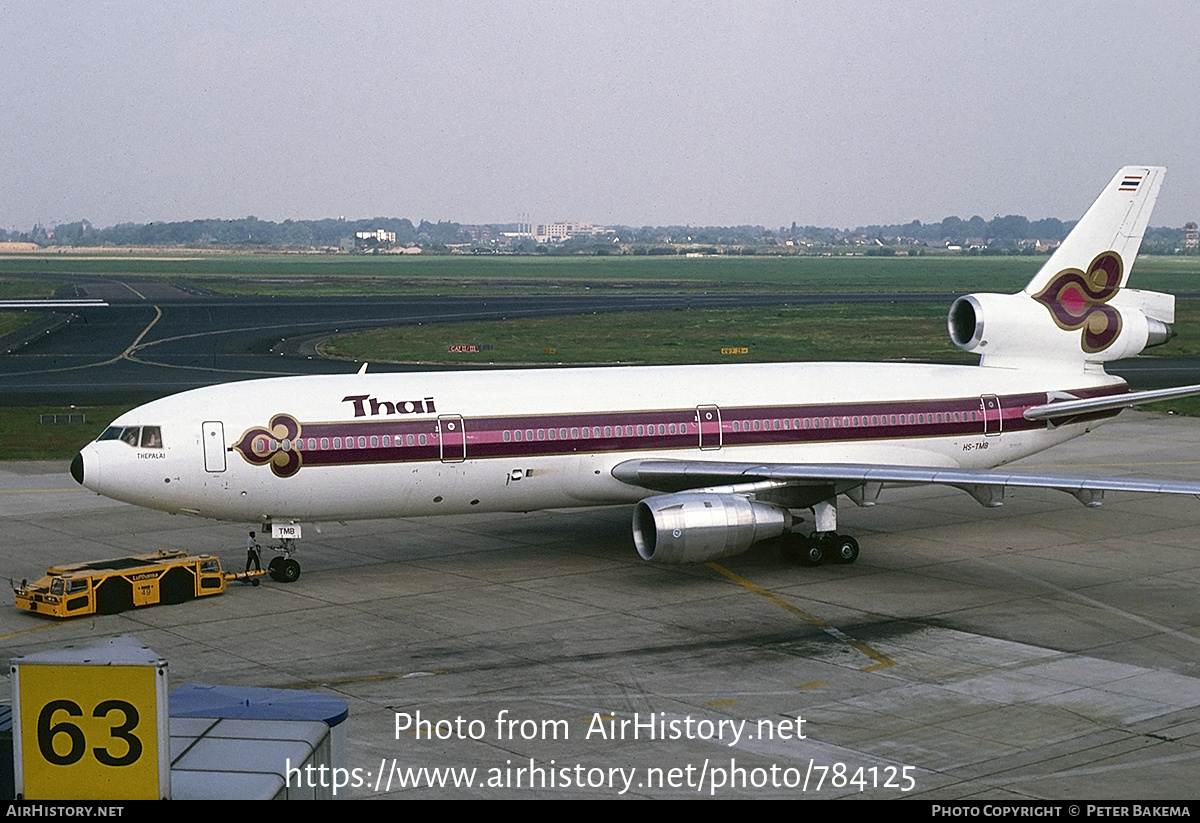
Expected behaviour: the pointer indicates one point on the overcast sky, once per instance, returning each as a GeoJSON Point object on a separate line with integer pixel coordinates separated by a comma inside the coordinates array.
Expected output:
{"type": "Point", "coordinates": [833, 114]}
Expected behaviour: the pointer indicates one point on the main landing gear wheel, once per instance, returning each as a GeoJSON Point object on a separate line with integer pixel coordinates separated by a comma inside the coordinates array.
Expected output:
{"type": "Point", "coordinates": [842, 548]}
{"type": "Point", "coordinates": [803, 551]}
{"type": "Point", "coordinates": [814, 551]}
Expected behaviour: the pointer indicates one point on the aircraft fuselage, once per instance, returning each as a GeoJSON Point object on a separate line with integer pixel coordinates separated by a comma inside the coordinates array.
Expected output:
{"type": "Point", "coordinates": [403, 444]}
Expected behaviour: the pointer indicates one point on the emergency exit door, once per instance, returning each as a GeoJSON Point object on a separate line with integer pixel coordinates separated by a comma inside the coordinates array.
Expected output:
{"type": "Point", "coordinates": [452, 436]}
{"type": "Point", "coordinates": [708, 419]}
{"type": "Point", "coordinates": [993, 420]}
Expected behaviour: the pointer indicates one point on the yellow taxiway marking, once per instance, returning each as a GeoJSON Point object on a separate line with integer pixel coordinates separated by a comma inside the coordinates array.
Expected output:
{"type": "Point", "coordinates": [882, 661]}
{"type": "Point", "coordinates": [137, 340]}
{"type": "Point", "coordinates": [718, 703]}
{"type": "Point", "coordinates": [132, 289]}
{"type": "Point", "coordinates": [28, 631]}
{"type": "Point", "coordinates": [812, 684]}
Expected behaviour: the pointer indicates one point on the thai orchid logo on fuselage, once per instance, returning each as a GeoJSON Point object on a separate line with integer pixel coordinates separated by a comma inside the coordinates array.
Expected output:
{"type": "Point", "coordinates": [279, 444]}
{"type": "Point", "coordinates": [275, 445]}
{"type": "Point", "coordinates": [286, 445]}
{"type": "Point", "coordinates": [1079, 300]}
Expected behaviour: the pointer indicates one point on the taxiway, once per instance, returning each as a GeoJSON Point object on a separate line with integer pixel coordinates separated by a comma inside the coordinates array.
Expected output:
{"type": "Point", "coordinates": [1040, 650]}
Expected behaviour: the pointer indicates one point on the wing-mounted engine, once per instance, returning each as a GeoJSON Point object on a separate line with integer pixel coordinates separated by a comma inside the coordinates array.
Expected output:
{"type": "Point", "coordinates": [695, 527]}
{"type": "Point", "coordinates": [1061, 324]}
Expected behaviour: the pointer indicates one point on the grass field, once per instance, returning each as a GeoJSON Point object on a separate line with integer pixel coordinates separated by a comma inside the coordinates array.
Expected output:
{"type": "Point", "coordinates": [22, 437]}
{"type": "Point", "coordinates": [314, 275]}
{"type": "Point", "coordinates": [10, 321]}
{"type": "Point", "coordinates": [25, 288]}
{"type": "Point", "coordinates": [827, 332]}
{"type": "Point", "coordinates": [1189, 406]}
{"type": "Point", "coordinates": [22, 288]}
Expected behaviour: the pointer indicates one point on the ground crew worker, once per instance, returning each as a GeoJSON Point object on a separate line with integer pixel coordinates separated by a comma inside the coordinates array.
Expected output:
{"type": "Point", "coordinates": [252, 553]}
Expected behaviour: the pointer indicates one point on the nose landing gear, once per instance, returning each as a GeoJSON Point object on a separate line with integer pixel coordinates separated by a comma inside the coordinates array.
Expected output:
{"type": "Point", "coordinates": [284, 569]}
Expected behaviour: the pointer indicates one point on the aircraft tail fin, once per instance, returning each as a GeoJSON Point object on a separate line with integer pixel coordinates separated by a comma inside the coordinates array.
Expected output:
{"type": "Point", "coordinates": [1076, 309]}
{"type": "Point", "coordinates": [1115, 223]}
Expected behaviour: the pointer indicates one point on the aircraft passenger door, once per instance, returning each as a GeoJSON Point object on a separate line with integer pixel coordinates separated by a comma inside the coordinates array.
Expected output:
{"type": "Point", "coordinates": [213, 435]}
{"type": "Point", "coordinates": [709, 420]}
{"type": "Point", "coordinates": [452, 436]}
{"type": "Point", "coordinates": [993, 423]}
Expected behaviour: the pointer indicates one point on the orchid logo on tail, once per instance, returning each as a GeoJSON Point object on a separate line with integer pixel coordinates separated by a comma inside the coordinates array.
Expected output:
{"type": "Point", "coordinates": [1079, 300]}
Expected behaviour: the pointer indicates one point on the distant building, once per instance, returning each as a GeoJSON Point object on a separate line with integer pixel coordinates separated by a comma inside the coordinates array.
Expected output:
{"type": "Point", "coordinates": [1191, 236]}
{"type": "Point", "coordinates": [377, 236]}
{"type": "Point", "coordinates": [560, 232]}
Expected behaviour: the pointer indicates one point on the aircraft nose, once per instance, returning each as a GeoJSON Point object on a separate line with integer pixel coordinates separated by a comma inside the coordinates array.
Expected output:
{"type": "Point", "coordinates": [86, 469]}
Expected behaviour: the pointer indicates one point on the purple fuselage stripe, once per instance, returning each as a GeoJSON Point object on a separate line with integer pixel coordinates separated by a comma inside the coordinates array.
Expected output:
{"type": "Point", "coordinates": [494, 437]}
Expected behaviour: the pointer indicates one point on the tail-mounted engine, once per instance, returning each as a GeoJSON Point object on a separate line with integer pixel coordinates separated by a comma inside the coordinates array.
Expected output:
{"type": "Point", "coordinates": [694, 527]}
{"type": "Point", "coordinates": [1060, 325]}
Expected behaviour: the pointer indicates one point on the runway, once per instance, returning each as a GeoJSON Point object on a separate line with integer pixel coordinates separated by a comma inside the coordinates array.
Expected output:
{"type": "Point", "coordinates": [1039, 650]}
{"type": "Point", "coordinates": [155, 338]}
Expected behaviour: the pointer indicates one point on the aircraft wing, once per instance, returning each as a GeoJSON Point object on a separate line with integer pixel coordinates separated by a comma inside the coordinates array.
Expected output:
{"type": "Point", "coordinates": [985, 485]}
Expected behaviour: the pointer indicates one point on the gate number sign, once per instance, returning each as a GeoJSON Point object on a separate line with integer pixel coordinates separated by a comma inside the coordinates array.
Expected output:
{"type": "Point", "coordinates": [93, 729]}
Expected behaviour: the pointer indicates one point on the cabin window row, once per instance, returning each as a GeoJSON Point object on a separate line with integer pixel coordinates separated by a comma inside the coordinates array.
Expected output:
{"type": "Point", "coordinates": [852, 421]}
{"type": "Point", "coordinates": [265, 445]}
{"type": "Point", "coordinates": [150, 437]}
{"type": "Point", "coordinates": [591, 432]}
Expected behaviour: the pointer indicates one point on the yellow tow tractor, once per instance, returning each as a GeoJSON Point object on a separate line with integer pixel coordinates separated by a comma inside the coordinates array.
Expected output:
{"type": "Point", "coordinates": [123, 583]}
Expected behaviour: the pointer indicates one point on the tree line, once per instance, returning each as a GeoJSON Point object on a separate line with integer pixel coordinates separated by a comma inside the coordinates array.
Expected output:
{"type": "Point", "coordinates": [1006, 234]}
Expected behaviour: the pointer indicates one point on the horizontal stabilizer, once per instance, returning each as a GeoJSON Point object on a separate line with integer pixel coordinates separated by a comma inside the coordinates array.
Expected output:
{"type": "Point", "coordinates": [1067, 408]}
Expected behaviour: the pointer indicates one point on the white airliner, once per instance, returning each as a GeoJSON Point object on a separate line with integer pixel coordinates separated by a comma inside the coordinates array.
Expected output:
{"type": "Point", "coordinates": [716, 458]}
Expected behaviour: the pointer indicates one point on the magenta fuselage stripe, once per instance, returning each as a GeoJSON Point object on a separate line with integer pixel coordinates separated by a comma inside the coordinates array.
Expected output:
{"type": "Point", "coordinates": [485, 436]}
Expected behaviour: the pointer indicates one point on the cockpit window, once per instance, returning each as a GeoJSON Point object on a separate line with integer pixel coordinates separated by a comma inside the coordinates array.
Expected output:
{"type": "Point", "coordinates": [147, 437]}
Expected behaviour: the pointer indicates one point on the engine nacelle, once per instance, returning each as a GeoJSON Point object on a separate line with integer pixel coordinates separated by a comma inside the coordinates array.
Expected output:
{"type": "Point", "coordinates": [694, 527]}
{"type": "Point", "coordinates": [1016, 327]}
